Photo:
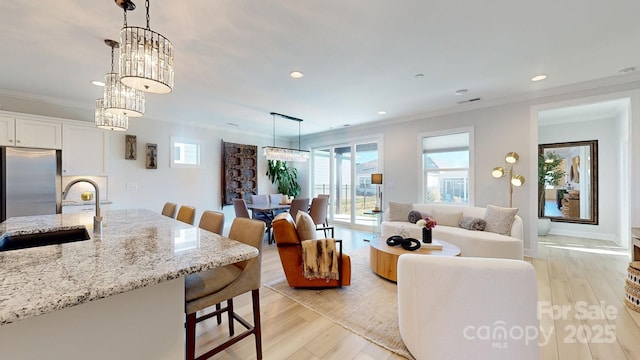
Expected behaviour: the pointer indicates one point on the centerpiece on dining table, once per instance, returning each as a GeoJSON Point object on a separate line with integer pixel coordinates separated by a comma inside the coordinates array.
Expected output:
{"type": "Point", "coordinates": [427, 224]}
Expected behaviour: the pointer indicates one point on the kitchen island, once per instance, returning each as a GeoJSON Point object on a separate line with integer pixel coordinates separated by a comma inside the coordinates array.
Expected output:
{"type": "Point", "coordinates": [119, 294]}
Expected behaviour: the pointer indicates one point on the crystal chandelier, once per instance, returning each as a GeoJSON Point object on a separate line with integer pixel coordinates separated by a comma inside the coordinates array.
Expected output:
{"type": "Point", "coordinates": [285, 154]}
{"type": "Point", "coordinates": [108, 121]}
{"type": "Point", "coordinates": [146, 57]}
{"type": "Point", "coordinates": [118, 98]}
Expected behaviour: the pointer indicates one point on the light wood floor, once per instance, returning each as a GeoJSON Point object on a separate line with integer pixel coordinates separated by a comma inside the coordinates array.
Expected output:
{"type": "Point", "coordinates": [580, 275]}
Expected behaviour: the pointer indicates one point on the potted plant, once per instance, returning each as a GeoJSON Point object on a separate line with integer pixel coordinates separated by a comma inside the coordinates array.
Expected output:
{"type": "Point", "coordinates": [549, 173]}
{"type": "Point", "coordinates": [285, 177]}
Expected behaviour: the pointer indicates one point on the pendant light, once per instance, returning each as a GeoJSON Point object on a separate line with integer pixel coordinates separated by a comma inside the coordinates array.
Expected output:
{"type": "Point", "coordinates": [146, 57]}
{"type": "Point", "coordinates": [285, 154]}
{"type": "Point", "coordinates": [118, 98]}
{"type": "Point", "coordinates": [108, 121]}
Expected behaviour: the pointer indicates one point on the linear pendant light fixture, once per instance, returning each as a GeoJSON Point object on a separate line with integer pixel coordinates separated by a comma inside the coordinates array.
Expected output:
{"type": "Point", "coordinates": [146, 57]}
{"type": "Point", "coordinates": [285, 154]}
{"type": "Point", "coordinates": [108, 121]}
{"type": "Point", "coordinates": [118, 98]}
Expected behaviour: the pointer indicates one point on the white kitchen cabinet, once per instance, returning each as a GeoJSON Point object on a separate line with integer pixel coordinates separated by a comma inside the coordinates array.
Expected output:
{"type": "Point", "coordinates": [85, 151]}
{"type": "Point", "coordinates": [30, 133]}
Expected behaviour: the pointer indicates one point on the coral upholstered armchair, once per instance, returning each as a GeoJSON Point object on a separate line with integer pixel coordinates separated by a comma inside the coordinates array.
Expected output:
{"type": "Point", "coordinates": [290, 250]}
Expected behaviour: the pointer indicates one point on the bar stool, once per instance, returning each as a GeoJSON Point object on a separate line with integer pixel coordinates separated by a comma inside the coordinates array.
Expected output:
{"type": "Point", "coordinates": [214, 286]}
{"type": "Point", "coordinates": [212, 221]}
{"type": "Point", "coordinates": [169, 209]}
{"type": "Point", "coordinates": [186, 214]}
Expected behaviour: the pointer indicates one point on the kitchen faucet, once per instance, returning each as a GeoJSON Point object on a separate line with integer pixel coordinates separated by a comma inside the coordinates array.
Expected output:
{"type": "Point", "coordinates": [97, 219]}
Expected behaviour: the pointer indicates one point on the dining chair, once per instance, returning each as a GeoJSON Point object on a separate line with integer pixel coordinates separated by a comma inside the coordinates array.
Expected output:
{"type": "Point", "coordinates": [259, 199]}
{"type": "Point", "coordinates": [240, 207]}
{"type": "Point", "coordinates": [186, 214]}
{"type": "Point", "coordinates": [275, 198]}
{"type": "Point", "coordinates": [318, 212]}
{"type": "Point", "coordinates": [212, 221]}
{"type": "Point", "coordinates": [298, 205]}
{"type": "Point", "coordinates": [169, 209]}
{"type": "Point", "coordinates": [215, 286]}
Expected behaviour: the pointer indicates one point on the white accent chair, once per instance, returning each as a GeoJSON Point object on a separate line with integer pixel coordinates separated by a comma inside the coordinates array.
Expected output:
{"type": "Point", "coordinates": [467, 308]}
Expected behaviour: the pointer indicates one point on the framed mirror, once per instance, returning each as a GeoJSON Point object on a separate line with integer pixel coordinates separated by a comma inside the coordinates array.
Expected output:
{"type": "Point", "coordinates": [568, 182]}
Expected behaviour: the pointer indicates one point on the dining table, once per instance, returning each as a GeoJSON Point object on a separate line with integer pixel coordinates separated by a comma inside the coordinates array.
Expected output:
{"type": "Point", "coordinates": [267, 208]}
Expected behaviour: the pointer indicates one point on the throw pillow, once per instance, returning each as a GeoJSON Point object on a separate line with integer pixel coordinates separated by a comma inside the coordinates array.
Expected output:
{"type": "Point", "coordinates": [305, 227]}
{"type": "Point", "coordinates": [500, 219]}
{"type": "Point", "coordinates": [472, 223]}
{"type": "Point", "coordinates": [447, 218]}
{"type": "Point", "coordinates": [414, 216]}
{"type": "Point", "coordinates": [399, 211]}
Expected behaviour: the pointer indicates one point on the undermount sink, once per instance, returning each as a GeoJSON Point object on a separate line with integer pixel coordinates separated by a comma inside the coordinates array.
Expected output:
{"type": "Point", "coordinates": [10, 241]}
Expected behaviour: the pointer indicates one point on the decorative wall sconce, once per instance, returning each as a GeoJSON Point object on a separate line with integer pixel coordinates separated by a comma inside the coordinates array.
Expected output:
{"type": "Point", "coordinates": [377, 180]}
{"type": "Point", "coordinates": [514, 179]}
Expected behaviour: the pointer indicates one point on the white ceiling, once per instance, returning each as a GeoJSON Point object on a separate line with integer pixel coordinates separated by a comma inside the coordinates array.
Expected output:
{"type": "Point", "coordinates": [233, 58]}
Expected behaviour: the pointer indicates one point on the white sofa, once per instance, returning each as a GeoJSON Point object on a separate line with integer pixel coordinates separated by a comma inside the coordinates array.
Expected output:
{"type": "Point", "coordinates": [471, 243]}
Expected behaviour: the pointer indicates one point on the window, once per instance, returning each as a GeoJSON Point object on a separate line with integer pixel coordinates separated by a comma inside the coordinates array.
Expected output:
{"type": "Point", "coordinates": [185, 153]}
{"type": "Point", "coordinates": [445, 164]}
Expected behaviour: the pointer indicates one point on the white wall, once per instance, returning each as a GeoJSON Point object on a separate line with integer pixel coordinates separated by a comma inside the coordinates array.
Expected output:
{"type": "Point", "coordinates": [199, 187]}
{"type": "Point", "coordinates": [498, 130]}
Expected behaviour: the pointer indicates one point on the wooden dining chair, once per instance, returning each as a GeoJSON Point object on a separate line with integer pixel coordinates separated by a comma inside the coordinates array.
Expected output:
{"type": "Point", "coordinates": [212, 221]}
{"type": "Point", "coordinates": [169, 209]}
{"type": "Point", "coordinates": [186, 214]}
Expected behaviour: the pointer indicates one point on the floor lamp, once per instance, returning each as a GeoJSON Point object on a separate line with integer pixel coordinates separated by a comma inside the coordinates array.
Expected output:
{"type": "Point", "coordinates": [514, 179]}
{"type": "Point", "coordinates": [377, 180]}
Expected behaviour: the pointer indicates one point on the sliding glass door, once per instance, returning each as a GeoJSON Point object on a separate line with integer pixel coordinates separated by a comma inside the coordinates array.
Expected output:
{"type": "Point", "coordinates": [344, 172]}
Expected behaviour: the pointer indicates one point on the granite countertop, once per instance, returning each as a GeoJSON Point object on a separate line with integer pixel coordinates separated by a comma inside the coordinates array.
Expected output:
{"type": "Point", "coordinates": [137, 248]}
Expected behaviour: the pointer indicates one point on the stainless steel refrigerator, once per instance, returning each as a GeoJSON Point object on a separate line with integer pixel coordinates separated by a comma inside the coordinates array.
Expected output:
{"type": "Point", "coordinates": [31, 182]}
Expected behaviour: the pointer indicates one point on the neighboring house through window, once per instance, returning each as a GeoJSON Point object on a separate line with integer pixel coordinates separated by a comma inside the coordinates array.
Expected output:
{"type": "Point", "coordinates": [446, 159]}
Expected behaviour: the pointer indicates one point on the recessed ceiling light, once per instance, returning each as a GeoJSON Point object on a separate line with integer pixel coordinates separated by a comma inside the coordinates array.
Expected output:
{"type": "Point", "coordinates": [296, 74]}
{"type": "Point", "coordinates": [539, 77]}
{"type": "Point", "coordinates": [382, 112]}
{"type": "Point", "coordinates": [628, 70]}
{"type": "Point", "coordinates": [419, 76]}
{"type": "Point", "coordinates": [97, 82]}
{"type": "Point", "coordinates": [461, 92]}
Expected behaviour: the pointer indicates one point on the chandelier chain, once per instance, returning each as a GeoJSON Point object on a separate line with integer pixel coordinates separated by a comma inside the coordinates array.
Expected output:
{"type": "Point", "coordinates": [125, 16]}
{"type": "Point", "coordinates": [146, 4]}
{"type": "Point", "coordinates": [112, 47]}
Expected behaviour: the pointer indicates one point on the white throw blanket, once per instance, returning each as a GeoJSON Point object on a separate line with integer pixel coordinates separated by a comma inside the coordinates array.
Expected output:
{"type": "Point", "coordinates": [319, 259]}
